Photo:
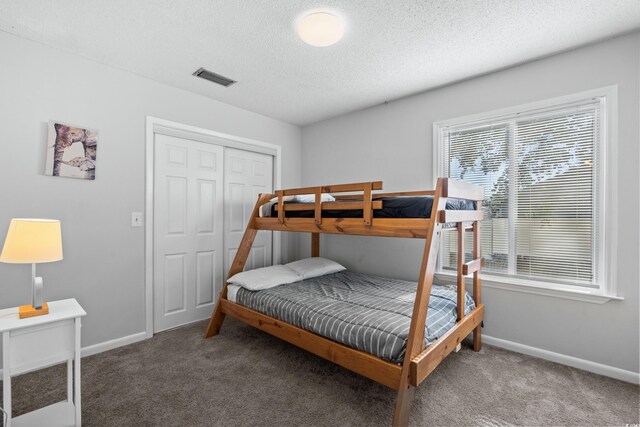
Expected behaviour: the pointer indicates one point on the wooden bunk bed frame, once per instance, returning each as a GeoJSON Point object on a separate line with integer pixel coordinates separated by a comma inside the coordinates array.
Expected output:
{"type": "Point", "coordinates": [419, 361]}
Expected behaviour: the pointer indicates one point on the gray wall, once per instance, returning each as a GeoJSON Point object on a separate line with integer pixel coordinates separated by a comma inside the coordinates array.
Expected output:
{"type": "Point", "coordinates": [103, 264]}
{"type": "Point", "coordinates": [393, 143]}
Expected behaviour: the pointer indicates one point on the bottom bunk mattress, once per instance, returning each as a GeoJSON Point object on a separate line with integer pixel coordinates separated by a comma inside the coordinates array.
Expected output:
{"type": "Point", "coordinates": [369, 313]}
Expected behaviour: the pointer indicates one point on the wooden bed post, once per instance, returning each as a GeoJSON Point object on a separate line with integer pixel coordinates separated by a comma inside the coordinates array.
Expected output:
{"type": "Point", "coordinates": [217, 317]}
{"type": "Point", "coordinates": [461, 280]}
{"type": "Point", "coordinates": [415, 342]}
{"type": "Point", "coordinates": [477, 332]}
{"type": "Point", "coordinates": [315, 244]}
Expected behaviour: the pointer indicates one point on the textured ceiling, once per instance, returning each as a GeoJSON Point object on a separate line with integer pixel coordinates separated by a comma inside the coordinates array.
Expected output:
{"type": "Point", "coordinates": [390, 49]}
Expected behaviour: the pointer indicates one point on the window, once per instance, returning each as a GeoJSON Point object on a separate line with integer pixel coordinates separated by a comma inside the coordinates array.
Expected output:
{"type": "Point", "coordinates": [542, 170]}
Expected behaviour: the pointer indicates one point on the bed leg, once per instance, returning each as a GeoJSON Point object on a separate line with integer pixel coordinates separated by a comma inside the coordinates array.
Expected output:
{"type": "Point", "coordinates": [215, 323]}
{"type": "Point", "coordinates": [315, 244]}
{"type": "Point", "coordinates": [403, 406]}
{"type": "Point", "coordinates": [477, 338]}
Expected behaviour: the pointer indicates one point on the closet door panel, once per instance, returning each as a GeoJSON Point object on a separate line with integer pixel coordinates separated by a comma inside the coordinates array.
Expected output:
{"type": "Point", "coordinates": [188, 230]}
{"type": "Point", "coordinates": [247, 174]}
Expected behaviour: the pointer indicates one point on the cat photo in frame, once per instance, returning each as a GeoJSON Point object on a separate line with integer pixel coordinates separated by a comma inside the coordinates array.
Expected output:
{"type": "Point", "coordinates": [71, 151]}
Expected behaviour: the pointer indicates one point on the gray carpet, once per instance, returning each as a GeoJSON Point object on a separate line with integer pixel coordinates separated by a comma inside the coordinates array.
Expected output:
{"type": "Point", "coordinates": [245, 377]}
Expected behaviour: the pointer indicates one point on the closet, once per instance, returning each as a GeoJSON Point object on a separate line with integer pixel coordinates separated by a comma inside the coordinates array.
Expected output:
{"type": "Point", "coordinates": [203, 195]}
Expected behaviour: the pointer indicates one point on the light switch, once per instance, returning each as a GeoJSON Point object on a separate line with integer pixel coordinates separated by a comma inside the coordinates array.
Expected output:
{"type": "Point", "coordinates": [137, 219]}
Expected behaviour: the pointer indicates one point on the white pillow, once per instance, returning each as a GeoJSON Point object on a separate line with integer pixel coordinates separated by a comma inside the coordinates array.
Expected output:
{"type": "Point", "coordinates": [284, 199]}
{"type": "Point", "coordinates": [305, 198]}
{"type": "Point", "coordinates": [314, 267]}
{"type": "Point", "coordinates": [311, 198]}
{"type": "Point", "coordinates": [265, 278]}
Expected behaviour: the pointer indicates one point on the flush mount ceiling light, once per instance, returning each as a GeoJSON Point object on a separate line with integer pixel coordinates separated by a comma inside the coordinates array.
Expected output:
{"type": "Point", "coordinates": [320, 29]}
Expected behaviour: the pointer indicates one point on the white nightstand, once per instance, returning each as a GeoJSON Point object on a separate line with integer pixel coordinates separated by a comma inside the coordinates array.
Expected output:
{"type": "Point", "coordinates": [35, 343]}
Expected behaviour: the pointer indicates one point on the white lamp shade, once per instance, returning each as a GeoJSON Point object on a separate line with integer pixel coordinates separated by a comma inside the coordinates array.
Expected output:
{"type": "Point", "coordinates": [32, 241]}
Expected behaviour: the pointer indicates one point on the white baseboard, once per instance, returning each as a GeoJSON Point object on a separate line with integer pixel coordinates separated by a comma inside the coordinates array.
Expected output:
{"type": "Point", "coordinates": [596, 368]}
{"type": "Point", "coordinates": [111, 344]}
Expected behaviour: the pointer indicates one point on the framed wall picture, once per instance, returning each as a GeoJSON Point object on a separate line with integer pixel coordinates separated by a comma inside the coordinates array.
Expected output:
{"type": "Point", "coordinates": [71, 151]}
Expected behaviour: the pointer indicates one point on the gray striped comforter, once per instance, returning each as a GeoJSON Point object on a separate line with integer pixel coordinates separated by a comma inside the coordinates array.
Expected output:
{"type": "Point", "coordinates": [369, 313]}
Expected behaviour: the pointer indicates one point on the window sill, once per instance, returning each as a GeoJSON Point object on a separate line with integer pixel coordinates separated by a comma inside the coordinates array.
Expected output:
{"type": "Point", "coordinates": [593, 296]}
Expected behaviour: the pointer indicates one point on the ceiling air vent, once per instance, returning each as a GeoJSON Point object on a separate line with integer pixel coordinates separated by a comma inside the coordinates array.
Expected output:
{"type": "Point", "coordinates": [213, 77]}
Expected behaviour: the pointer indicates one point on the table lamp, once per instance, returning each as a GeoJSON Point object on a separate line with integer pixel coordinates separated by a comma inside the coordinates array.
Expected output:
{"type": "Point", "coordinates": [32, 241]}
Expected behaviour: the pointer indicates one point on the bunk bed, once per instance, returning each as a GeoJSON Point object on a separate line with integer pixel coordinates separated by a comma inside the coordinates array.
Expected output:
{"type": "Point", "coordinates": [453, 206]}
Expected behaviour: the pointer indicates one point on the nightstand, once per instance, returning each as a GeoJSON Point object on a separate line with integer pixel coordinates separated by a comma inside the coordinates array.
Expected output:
{"type": "Point", "coordinates": [38, 342]}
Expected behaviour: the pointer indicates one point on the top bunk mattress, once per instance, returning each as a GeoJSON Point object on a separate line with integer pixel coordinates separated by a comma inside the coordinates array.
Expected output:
{"type": "Point", "coordinates": [392, 207]}
{"type": "Point", "coordinates": [368, 313]}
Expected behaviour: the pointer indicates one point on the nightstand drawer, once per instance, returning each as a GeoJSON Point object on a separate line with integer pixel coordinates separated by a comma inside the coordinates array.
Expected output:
{"type": "Point", "coordinates": [41, 346]}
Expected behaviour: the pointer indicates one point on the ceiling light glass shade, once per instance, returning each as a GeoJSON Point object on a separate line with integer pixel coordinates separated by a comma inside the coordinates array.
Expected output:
{"type": "Point", "coordinates": [320, 29]}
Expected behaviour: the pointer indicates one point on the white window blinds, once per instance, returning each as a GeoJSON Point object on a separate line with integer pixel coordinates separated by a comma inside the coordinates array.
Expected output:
{"type": "Point", "coordinates": [539, 170]}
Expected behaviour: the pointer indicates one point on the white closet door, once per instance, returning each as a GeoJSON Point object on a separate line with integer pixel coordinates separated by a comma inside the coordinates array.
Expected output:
{"type": "Point", "coordinates": [188, 230]}
{"type": "Point", "coordinates": [246, 174]}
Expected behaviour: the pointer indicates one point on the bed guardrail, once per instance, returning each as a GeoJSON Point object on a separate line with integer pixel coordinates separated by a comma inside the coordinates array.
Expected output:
{"type": "Point", "coordinates": [366, 205]}
{"type": "Point", "coordinates": [362, 197]}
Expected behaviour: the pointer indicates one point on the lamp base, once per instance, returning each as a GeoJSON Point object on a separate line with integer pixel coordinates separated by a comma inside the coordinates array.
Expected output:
{"type": "Point", "coordinates": [29, 311]}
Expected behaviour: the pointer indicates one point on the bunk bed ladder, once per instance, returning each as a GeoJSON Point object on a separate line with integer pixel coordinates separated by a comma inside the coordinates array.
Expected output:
{"type": "Point", "coordinates": [472, 267]}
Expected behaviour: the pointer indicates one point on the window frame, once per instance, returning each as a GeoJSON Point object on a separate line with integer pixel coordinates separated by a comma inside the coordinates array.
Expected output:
{"type": "Point", "coordinates": [606, 201]}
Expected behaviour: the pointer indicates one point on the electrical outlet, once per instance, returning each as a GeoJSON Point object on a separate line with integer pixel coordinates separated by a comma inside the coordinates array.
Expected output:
{"type": "Point", "coordinates": [137, 219]}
